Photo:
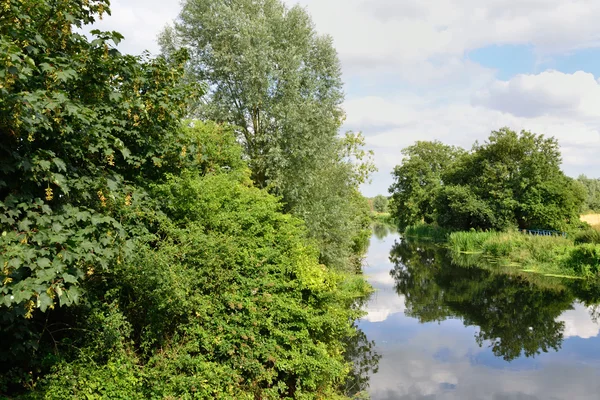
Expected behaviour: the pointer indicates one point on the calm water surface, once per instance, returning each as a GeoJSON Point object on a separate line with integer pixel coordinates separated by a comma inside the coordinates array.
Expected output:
{"type": "Point", "coordinates": [446, 332]}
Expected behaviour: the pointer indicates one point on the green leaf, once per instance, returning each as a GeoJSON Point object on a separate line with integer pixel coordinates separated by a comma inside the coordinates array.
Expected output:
{"type": "Point", "coordinates": [60, 164]}
{"type": "Point", "coordinates": [24, 225]}
{"type": "Point", "coordinates": [43, 262]}
{"type": "Point", "coordinates": [69, 278]}
{"type": "Point", "coordinates": [44, 301]}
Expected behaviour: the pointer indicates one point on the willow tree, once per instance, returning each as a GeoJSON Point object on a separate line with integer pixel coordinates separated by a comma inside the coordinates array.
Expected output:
{"type": "Point", "coordinates": [270, 74]}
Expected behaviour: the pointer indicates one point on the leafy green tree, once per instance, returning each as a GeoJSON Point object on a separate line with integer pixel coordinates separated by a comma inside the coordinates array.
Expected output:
{"type": "Point", "coordinates": [457, 207]}
{"type": "Point", "coordinates": [418, 179]}
{"type": "Point", "coordinates": [272, 76]}
{"type": "Point", "coordinates": [81, 124]}
{"type": "Point", "coordinates": [512, 180]}
{"type": "Point", "coordinates": [279, 82]}
{"type": "Point", "coordinates": [380, 204]}
{"type": "Point", "coordinates": [592, 193]}
{"type": "Point", "coordinates": [518, 177]}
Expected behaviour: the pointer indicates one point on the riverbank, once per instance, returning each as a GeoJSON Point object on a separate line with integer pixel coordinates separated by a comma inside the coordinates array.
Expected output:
{"type": "Point", "coordinates": [549, 255]}
{"type": "Point", "coordinates": [575, 256]}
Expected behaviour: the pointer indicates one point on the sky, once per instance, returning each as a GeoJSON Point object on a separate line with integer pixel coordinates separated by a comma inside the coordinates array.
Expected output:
{"type": "Point", "coordinates": [448, 70]}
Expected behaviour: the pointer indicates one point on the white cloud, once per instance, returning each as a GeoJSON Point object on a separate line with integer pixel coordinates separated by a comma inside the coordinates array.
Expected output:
{"type": "Point", "coordinates": [566, 106]}
{"type": "Point", "coordinates": [547, 93]}
{"type": "Point", "coordinates": [140, 21]}
{"type": "Point", "coordinates": [578, 322]}
{"type": "Point", "coordinates": [390, 33]}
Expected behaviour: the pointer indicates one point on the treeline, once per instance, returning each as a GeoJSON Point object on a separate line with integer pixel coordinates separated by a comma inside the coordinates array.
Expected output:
{"type": "Point", "coordinates": [513, 180]}
{"type": "Point", "coordinates": [146, 255]}
{"type": "Point", "coordinates": [591, 202]}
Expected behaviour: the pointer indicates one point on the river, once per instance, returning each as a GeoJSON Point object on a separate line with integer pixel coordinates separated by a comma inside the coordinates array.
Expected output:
{"type": "Point", "coordinates": [440, 331]}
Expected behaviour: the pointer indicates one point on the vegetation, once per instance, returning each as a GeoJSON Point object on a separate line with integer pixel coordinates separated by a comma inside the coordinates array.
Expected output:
{"type": "Point", "coordinates": [138, 257]}
{"type": "Point", "coordinates": [279, 83]}
{"type": "Point", "coordinates": [380, 204]}
{"type": "Point", "coordinates": [417, 181]}
{"type": "Point", "coordinates": [426, 232]}
{"type": "Point", "coordinates": [547, 255]}
{"type": "Point", "coordinates": [511, 181]}
{"type": "Point", "coordinates": [591, 188]}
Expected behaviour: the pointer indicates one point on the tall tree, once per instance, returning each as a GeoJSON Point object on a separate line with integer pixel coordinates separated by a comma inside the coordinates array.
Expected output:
{"type": "Point", "coordinates": [380, 203]}
{"type": "Point", "coordinates": [417, 180]}
{"type": "Point", "coordinates": [592, 193]}
{"type": "Point", "coordinates": [269, 74]}
{"type": "Point", "coordinates": [279, 82]}
{"type": "Point", "coordinates": [518, 177]}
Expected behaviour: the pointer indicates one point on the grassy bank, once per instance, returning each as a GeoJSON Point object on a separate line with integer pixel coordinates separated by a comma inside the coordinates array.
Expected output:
{"type": "Point", "coordinates": [556, 256]}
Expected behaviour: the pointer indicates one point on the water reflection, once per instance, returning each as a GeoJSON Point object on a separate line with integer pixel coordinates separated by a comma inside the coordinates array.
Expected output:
{"type": "Point", "coordinates": [361, 353]}
{"type": "Point", "coordinates": [513, 314]}
{"type": "Point", "coordinates": [448, 332]}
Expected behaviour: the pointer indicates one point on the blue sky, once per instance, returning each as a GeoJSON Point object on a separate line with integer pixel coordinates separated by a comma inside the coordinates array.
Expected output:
{"type": "Point", "coordinates": [451, 70]}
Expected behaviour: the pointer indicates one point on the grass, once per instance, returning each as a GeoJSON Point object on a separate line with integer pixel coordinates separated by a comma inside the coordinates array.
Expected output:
{"type": "Point", "coordinates": [551, 256]}
{"type": "Point", "coordinates": [426, 232]}
{"type": "Point", "coordinates": [592, 219]}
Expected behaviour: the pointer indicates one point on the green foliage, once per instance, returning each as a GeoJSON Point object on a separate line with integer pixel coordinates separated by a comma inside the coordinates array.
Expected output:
{"type": "Point", "coordinates": [81, 125]}
{"type": "Point", "coordinates": [137, 258]}
{"type": "Point", "coordinates": [417, 180]}
{"type": "Point", "coordinates": [512, 180]}
{"type": "Point", "coordinates": [380, 204]}
{"type": "Point", "coordinates": [279, 83]}
{"type": "Point", "coordinates": [554, 255]}
{"type": "Point", "coordinates": [588, 235]}
{"type": "Point", "coordinates": [591, 189]}
{"type": "Point", "coordinates": [426, 232]}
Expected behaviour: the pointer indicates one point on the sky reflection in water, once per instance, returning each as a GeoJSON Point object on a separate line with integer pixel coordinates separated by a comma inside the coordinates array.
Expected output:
{"type": "Point", "coordinates": [427, 319]}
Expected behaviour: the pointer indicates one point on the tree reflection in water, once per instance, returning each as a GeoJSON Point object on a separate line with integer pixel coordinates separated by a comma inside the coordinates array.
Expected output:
{"type": "Point", "coordinates": [380, 231]}
{"type": "Point", "coordinates": [360, 351]}
{"type": "Point", "coordinates": [517, 314]}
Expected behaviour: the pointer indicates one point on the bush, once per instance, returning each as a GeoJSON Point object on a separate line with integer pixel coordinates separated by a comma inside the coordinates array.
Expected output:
{"type": "Point", "coordinates": [587, 236]}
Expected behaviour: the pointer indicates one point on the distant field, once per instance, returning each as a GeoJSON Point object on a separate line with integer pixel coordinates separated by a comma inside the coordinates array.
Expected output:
{"type": "Point", "coordinates": [592, 219]}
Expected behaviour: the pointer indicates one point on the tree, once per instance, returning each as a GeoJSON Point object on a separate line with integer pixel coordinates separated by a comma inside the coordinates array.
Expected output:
{"type": "Point", "coordinates": [380, 204]}
{"type": "Point", "coordinates": [270, 75]}
{"type": "Point", "coordinates": [512, 180]}
{"type": "Point", "coordinates": [592, 193]}
{"type": "Point", "coordinates": [279, 82]}
{"type": "Point", "coordinates": [81, 125]}
{"type": "Point", "coordinates": [518, 177]}
{"type": "Point", "coordinates": [417, 180]}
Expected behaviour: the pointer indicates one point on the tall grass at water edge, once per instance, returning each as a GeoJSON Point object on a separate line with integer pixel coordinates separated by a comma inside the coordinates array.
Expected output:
{"type": "Point", "coordinates": [551, 255]}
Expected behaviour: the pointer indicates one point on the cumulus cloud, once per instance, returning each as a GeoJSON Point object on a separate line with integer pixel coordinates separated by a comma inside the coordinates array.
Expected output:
{"type": "Point", "coordinates": [548, 93]}
{"type": "Point", "coordinates": [395, 32]}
